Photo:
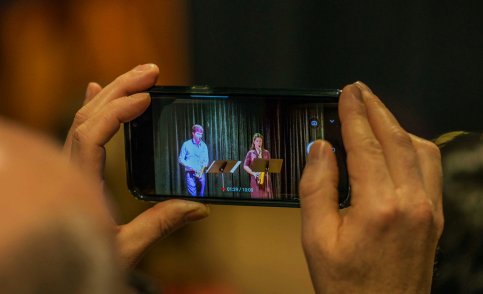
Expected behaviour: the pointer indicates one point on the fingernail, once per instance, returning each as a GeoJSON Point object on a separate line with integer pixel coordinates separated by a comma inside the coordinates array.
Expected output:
{"type": "Point", "coordinates": [144, 67]}
{"type": "Point", "coordinates": [199, 211]}
{"type": "Point", "coordinates": [317, 150]}
{"type": "Point", "coordinates": [139, 96]}
{"type": "Point", "coordinates": [362, 86]}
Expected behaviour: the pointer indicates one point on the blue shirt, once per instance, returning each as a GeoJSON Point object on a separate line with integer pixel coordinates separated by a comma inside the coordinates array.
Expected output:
{"type": "Point", "coordinates": [193, 156]}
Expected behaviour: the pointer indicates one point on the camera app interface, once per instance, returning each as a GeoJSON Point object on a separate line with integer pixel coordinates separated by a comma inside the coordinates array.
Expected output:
{"type": "Point", "coordinates": [236, 147]}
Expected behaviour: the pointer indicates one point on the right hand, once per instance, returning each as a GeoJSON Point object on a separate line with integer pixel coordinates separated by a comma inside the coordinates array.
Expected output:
{"type": "Point", "coordinates": [385, 242]}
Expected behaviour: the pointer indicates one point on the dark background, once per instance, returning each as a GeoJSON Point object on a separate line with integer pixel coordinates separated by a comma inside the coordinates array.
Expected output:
{"type": "Point", "coordinates": [423, 58]}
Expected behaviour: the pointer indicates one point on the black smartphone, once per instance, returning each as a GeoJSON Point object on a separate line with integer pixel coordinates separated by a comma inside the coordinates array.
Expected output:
{"type": "Point", "coordinates": [229, 145]}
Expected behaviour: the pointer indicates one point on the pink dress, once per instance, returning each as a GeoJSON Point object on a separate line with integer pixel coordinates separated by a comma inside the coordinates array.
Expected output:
{"type": "Point", "coordinates": [259, 191]}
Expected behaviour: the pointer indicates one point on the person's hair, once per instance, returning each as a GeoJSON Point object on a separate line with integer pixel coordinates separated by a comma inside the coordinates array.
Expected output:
{"type": "Point", "coordinates": [459, 262]}
{"type": "Point", "coordinates": [196, 128]}
{"type": "Point", "coordinates": [257, 135]}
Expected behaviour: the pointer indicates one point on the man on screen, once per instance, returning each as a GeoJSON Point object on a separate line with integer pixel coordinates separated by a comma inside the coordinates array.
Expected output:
{"type": "Point", "coordinates": [194, 157]}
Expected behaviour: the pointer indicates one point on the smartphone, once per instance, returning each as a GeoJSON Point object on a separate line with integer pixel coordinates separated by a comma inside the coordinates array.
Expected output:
{"type": "Point", "coordinates": [230, 145]}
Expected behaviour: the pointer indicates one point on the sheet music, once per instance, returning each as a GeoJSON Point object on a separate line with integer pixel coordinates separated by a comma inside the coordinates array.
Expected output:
{"type": "Point", "coordinates": [235, 167]}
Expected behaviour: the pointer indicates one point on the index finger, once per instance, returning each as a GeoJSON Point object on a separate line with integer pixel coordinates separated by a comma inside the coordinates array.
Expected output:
{"type": "Point", "coordinates": [138, 79]}
{"type": "Point", "coordinates": [366, 163]}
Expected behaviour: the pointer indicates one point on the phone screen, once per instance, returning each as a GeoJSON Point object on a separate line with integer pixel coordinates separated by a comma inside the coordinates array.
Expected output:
{"type": "Point", "coordinates": [235, 147]}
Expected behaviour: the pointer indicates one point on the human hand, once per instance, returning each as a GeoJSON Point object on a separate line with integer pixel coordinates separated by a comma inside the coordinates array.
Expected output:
{"type": "Point", "coordinates": [94, 125]}
{"type": "Point", "coordinates": [385, 242]}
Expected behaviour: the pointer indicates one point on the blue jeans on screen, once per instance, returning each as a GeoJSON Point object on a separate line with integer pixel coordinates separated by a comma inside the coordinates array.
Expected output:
{"type": "Point", "coordinates": [195, 185]}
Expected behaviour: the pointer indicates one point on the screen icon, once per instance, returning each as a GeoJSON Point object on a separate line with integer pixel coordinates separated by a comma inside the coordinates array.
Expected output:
{"type": "Point", "coordinates": [314, 122]}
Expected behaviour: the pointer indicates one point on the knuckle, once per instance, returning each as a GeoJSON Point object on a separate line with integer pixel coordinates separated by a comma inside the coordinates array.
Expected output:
{"type": "Point", "coordinates": [428, 148]}
{"type": "Point", "coordinates": [309, 184]}
{"type": "Point", "coordinates": [119, 80]}
{"type": "Point", "coordinates": [120, 102]}
{"type": "Point", "coordinates": [306, 186]}
{"type": "Point", "coordinates": [431, 149]}
{"type": "Point", "coordinates": [423, 216]}
{"type": "Point", "coordinates": [80, 117]}
{"type": "Point", "coordinates": [422, 212]}
{"type": "Point", "coordinates": [80, 134]}
{"type": "Point", "coordinates": [439, 224]}
{"type": "Point", "coordinates": [387, 214]}
{"type": "Point", "coordinates": [166, 227]}
{"type": "Point", "coordinates": [372, 146]}
{"type": "Point", "coordinates": [170, 221]}
{"type": "Point", "coordinates": [107, 118]}
{"type": "Point", "coordinates": [370, 98]}
{"type": "Point", "coordinates": [401, 137]}
{"type": "Point", "coordinates": [123, 79]}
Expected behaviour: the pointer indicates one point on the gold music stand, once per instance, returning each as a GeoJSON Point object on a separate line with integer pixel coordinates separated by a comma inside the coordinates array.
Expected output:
{"type": "Point", "coordinates": [261, 165]}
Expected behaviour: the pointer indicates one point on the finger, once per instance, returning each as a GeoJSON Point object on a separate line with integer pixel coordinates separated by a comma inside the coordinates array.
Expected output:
{"type": "Point", "coordinates": [138, 79]}
{"type": "Point", "coordinates": [91, 91]}
{"type": "Point", "coordinates": [156, 223]}
{"type": "Point", "coordinates": [430, 161]}
{"type": "Point", "coordinates": [319, 197]}
{"type": "Point", "coordinates": [368, 173]}
{"type": "Point", "coordinates": [399, 152]}
{"type": "Point", "coordinates": [89, 138]}
{"type": "Point", "coordinates": [429, 158]}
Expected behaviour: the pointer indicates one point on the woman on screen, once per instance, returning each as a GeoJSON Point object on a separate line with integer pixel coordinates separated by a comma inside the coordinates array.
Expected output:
{"type": "Point", "coordinates": [260, 182]}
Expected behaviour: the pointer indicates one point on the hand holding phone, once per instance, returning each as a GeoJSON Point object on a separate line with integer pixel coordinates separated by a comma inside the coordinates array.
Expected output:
{"type": "Point", "coordinates": [94, 125]}
{"type": "Point", "coordinates": [386, 241]}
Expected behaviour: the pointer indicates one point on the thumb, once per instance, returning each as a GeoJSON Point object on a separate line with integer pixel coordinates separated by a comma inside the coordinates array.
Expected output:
{"type": "Point", "coordinates": [319, 196]}
{"type": "Point", "coordinates": [156, 223]}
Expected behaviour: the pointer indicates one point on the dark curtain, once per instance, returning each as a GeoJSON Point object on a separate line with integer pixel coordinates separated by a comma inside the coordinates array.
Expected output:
{"type": "Point", "coordinates": [228, 129]}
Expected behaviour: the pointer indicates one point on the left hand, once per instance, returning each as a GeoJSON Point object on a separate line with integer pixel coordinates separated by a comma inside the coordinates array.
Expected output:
{"type": "Point", "coordinates": [101, 116]}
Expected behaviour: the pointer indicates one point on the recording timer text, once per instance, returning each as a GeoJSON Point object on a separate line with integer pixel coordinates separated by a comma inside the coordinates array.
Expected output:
{"type": "Point", "coordinates": [239, 189]}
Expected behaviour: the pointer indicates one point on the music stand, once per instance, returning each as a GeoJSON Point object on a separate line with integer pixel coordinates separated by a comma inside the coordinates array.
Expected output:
{"type": "Point", "coordinates": [223, 167]}
{"type": "Point", "coordinates": [261, 165]}
{"type": "Point", "coordinates": [275, 165]}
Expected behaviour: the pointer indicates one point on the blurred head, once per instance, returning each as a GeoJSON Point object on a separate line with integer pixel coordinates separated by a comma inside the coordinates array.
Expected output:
{"type": "Point", "coordinates": [197, 132]}
{"type": "Point", "coordinates": [460, 256]}
{"type": "Point", "coordinates": [257, 141]}
{"type": "Point", "coordinates": [56, 234]}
